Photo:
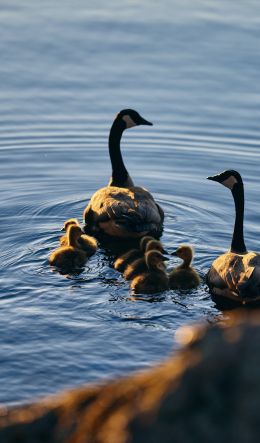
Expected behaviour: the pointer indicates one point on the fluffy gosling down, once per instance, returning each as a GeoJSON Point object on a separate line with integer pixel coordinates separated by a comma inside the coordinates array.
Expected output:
{"type": "Point", "coordinates": [129, 256]}
{"type": "Point", "coordinates": [184, 276]}
{"type": "Point", "coordinates": [85, 242]}
{"type": "Point", "coordinates": [140, 264]}
{"type": "Point", "coordinates": [70, 257]}
{"type": "Point", "coordinates": [155, 278]}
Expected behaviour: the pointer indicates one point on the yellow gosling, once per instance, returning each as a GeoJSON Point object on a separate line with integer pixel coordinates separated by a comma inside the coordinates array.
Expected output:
{"type": "Point", "coordinates": [155, 278]}
{"type": "Point", "coordinates": [67, 224]}
{"type": "Point", "coordinates": [70, 257]}
{"type": "Point", "coordinates": [129, 256]}
{"type": "Point", "coordinates": [184, 276]}
{"type": "Point", "coordinates": [85, 242]}
{"type": "Point", "coordinates": [139, 265]}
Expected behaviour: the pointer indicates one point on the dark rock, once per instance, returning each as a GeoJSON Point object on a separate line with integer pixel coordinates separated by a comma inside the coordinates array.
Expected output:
{"type": "Point", "coordinates": [207, 392]}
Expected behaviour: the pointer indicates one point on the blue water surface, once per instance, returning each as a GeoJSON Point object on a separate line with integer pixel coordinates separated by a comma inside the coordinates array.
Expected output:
{"type": "Point", "coordinates": [192, 68]}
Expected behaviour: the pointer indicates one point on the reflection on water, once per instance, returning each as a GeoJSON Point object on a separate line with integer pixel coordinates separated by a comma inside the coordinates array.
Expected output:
{"type": "Point", "coordinates": [190, 67]}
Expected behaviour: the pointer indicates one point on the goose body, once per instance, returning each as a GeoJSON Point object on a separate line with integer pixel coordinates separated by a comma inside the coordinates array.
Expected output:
{"type": "Point", "coordinates": [85, 242]}
{"type": "Point", "coordinates": [155, 278]}
{"type": "Point", "coordinates": [122, 209]}
{"type": "Point", "coordinates": [139, 265]}
{"type": "Point", "coordinates": [234, 277]}
{"type": "Point", "coordinates": [184, 276]}
{"type": "Point", "coordinates": [70, 257]}
{"type": "Point", "coordinates": [129, 256]}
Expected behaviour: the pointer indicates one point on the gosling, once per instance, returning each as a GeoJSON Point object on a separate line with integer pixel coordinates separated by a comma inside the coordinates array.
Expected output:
{"type": "Point", "coordinates": [129, 256]}
{"type": "Point", "coordinates": [155, 278]}
{"type": "Point", "coordinates": [85, 242]}
{"type": "Point", "coordinates": [184, 276]}
{"type": "Point", "coordinates": [70, 257]}
{"type": "Point", "coordinates": [67, 224]}
{"type": "Point", "coordinates": [139, 265]}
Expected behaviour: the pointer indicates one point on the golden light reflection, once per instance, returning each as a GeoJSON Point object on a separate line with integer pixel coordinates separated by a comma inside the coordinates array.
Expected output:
{"type": "Point", "coordinates": [186, 334]}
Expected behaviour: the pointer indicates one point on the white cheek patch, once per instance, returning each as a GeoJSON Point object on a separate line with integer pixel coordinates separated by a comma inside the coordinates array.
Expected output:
{"type": "Point", "coordinates": [229, 182]}
{"type": "Point", "coordinates": [129, 121]}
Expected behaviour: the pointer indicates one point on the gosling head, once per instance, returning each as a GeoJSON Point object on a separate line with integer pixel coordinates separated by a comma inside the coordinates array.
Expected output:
{"type": "Point", "coordinates": [155, 245]}
{"type": "Point", "coordinates": [74, 233]}
{"type": "Point", "coordinates": [144, 241]}
{"type": "Point", "coordinates": [228, 178]}
{"type": "Point", "coordinates": [132, 118]}
{"type": "Point", "coordinates": [68, 223]}
{"type": "Point", "coordinates": [155, 260]}
{"type": "Point", "coordinates": [184, 252]}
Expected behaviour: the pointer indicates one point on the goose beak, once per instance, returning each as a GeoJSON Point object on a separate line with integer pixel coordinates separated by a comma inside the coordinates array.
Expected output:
{"type": "Point", "coordinates": [174, 253]}
{"type": "Point", "coordinates": [142, 121]}
{"type": "Point", "coordinates": [62, 229]}
{"type": "Point", "coordinates": [214, 178]}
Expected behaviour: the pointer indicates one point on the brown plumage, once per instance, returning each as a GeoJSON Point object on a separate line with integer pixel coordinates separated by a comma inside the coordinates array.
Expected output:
{"type": "Point", "coordinates": [184, 276]}
{"type": "Point", "coordinates": [85, 242]}
{"type": "Point", "coordinates": [122, 209]}
{"type": "Point", "coordinates": [129, 256]}
{"type": "Point", "coordinates": [140, 265]}
{"type": "Point", "coordinates": [70, 257]}
{"type": "Point", "coordinates": [234, 277]}
{"type": "Point", "coordinates": [155, 278]}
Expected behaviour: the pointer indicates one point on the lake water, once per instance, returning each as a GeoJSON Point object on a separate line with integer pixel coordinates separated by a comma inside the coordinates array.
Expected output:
{"type": "Point", "coordinates": [192, 68]}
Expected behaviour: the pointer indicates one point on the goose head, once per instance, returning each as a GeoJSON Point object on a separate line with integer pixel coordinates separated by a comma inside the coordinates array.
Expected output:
{"type": "Point", "coordinates": [155, 260]}
{"type": "Point", "coordinates": [184, 252]}
{"type": "Point", "coordinates": [228, 178]}
{"type": "Point", "coordinates": [68, 223]}
{"type": "Point", "coordinates": [155, 245]}
{"type": "Point", "coordinates": [131, 118]}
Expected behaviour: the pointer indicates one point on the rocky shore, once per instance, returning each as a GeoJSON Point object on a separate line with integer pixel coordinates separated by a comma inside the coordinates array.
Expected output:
{"type": "Point", "coordinates": [209, 391]}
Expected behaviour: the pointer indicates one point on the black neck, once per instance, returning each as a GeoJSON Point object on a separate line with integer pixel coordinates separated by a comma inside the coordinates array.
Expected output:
{"type": "Point", "coordinates": [119, 172]}
{"type": "Point", "coordinates": [238, 244]}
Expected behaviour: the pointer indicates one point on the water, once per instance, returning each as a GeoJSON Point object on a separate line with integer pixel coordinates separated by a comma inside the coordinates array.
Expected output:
{"type": "Point", "coordinates": [191, 67]}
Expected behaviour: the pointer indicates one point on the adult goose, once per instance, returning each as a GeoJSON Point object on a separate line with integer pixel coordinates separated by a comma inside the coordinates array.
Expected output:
{"type": "Point", "coordinates": [234, 277]}
{"type": "Point", "coordinates": [122, 209]}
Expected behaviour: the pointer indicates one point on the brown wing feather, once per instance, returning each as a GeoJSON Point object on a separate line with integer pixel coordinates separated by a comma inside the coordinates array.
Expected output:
{"type": "Point", "coordinates": [238, 273]}
{"type": "Point", "coordinates": [131, 210]}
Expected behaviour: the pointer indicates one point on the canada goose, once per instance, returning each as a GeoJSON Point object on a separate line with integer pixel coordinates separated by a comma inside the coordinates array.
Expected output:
{"type": "Point", "coordinates": [184, 276]}
{"type": "Point", "coordinates": [71, 256]}
{"type": "Point", "coordinates": [155, 278]}
{"type": "Point", "coordinates": [139, 265]}
{"type": "Point", "coordinates": [129, 256]}
{"type": "Point", "coordinates": [85, 242]}
{"type": "Point", "coordinates": [235, 275]}
{"type": "Point", "coordinates": [122, 209]}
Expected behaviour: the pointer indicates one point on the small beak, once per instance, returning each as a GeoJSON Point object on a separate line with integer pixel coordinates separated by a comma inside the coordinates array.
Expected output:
{"type": "Point", "coordinates": [63, 229]}
{"type": "Point", "coordinates": [214, 178]}
{"type": "Point", "coordinates": [142, 121]}
{"type": "Point", "coordinates": [174, 253]}
{"type": "Point", "coordinates": [164, 251]}
{"type": "Point", "coordinates": [165, 258]}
